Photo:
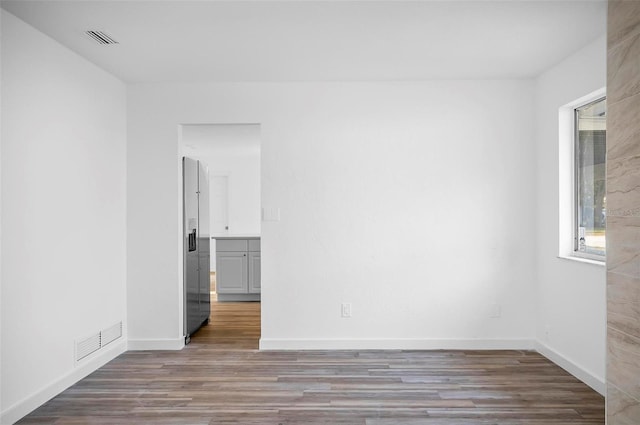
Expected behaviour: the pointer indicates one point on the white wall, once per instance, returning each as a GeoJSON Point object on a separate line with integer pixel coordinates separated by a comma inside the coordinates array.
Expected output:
{"type": "Point", "coordinates": [63, 218]}
{"type": "Point", "coordinates": [243, 172]}
{"type": "Point", "coordinates": [571, 299]}
{"type": "Point", "coordinates": [412, 201]}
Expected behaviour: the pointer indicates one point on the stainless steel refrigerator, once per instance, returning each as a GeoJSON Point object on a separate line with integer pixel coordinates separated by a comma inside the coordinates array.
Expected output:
{"type": "Point", "coordinates": [197, 239]}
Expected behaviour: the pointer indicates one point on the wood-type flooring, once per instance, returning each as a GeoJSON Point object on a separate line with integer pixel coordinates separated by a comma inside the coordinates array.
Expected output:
{"type": "Point", "coordinates": [221, 378]}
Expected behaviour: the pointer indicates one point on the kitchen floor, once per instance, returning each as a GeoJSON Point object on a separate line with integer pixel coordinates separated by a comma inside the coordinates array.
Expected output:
{"type": "Point", "coordinates": [231, 325]}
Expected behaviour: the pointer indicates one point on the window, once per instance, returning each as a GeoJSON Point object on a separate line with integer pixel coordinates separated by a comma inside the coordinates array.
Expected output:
{"type": "Point", "coordinates": [590, 179]}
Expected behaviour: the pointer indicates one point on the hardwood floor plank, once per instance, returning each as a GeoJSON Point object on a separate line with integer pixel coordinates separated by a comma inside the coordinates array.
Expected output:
{"type": "Point", "coordinates": [221, 378]}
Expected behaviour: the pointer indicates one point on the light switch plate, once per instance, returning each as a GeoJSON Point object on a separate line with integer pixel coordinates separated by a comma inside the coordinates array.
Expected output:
{"type": "Point", "coordinates": [270, 214]}
{"type": "Point", "coordinates": [345, 310]}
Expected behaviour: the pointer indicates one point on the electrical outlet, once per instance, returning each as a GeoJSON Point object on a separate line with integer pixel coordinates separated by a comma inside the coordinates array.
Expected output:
{"type": "Point", "coordinates": [345, 310]}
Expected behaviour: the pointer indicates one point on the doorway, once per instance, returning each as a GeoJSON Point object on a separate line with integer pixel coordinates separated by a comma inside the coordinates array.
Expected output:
{"type": "Point", "coordinates": [231, 153]}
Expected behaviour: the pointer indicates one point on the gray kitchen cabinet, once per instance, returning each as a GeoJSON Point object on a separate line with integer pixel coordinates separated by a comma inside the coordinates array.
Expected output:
{"type": "Point", "coordinates": [254, 272]}
{"type": "Point", "coordinates": [232, 272]}
{"type": "Point", "coordinates": [238, 269]}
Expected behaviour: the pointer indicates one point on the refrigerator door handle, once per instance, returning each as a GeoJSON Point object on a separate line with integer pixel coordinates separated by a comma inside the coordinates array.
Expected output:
{"type": "Point", "coordinates": [192, 240]}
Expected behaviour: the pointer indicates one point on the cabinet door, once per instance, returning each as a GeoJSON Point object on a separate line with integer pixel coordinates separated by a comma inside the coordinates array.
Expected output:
{"type": "Point", "coordinates": [231, 272]}
{"type": "Point", "coordinates": [254, 272]}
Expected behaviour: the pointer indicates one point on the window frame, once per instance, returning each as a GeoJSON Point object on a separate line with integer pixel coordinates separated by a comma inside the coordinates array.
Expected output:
{"type": "Point", "coordinates": [575, 252]}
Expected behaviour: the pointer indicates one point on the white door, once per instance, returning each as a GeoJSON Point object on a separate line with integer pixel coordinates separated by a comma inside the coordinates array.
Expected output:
{"type": "Point", "coordinates": [219, 205]}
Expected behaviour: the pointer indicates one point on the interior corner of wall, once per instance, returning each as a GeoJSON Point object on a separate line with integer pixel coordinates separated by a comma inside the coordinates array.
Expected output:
{"type": "Point", "coordinates": [597, 383]}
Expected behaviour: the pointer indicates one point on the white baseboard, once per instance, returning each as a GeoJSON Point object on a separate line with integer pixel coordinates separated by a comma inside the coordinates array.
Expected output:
{"type": "Point", "coordinates": [155, 344]}
{"type": "Point", "coordinates": [84, 368]}
{"type": "Point", "coordinates": [595, 382]}
{"type": "Point", "coordinates": [396, 344]}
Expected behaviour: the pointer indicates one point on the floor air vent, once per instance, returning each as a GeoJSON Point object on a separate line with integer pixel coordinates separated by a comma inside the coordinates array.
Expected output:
{"type": "Point", "coordinates": [89, 345]}
{"type": "Point", "coordinates": [111, 334]}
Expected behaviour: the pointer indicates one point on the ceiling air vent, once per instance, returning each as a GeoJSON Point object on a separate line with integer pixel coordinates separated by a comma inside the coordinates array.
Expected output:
{"type": "Point", "coordinates": [101, 37]}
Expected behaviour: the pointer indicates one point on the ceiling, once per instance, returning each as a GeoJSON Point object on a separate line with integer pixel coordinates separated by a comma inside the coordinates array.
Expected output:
{"type": "Point", "coordinates": [196, 41]}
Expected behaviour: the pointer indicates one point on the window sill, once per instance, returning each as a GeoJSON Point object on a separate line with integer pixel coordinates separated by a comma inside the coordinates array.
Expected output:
{"type": "Point", "coordinates": [583, 260]}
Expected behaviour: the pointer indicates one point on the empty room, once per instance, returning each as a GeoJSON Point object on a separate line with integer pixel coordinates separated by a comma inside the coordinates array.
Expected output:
{"type": "Point", "coordinates": [320, 212]}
